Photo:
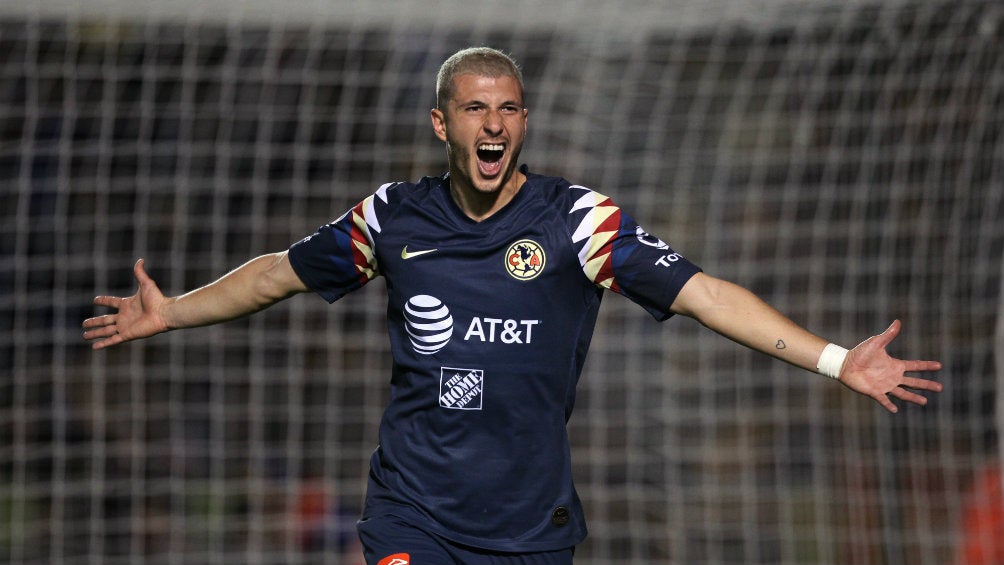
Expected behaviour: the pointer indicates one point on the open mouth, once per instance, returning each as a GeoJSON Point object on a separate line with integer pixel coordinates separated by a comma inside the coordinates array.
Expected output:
{"type": "Point", "coordinates": [490, 158]}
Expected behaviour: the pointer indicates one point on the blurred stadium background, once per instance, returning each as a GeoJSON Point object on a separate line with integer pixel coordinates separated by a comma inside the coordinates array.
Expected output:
{"type": "Point", "coordinates": [844, 159]}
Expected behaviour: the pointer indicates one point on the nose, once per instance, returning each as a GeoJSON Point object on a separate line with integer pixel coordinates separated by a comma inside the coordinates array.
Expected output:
{"type": "Point", "coordinates": [493, 122]}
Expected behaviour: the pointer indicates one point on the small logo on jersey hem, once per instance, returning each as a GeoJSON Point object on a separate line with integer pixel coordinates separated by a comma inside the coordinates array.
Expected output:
{"type": "Point", "coordinates": [396, 559]}
{"type": "Point", "coordinates": [525, 259]}
{"type": "Point", "coordinates": [405, 254]}
{"type": "Point", "coordinates": [461, 389]}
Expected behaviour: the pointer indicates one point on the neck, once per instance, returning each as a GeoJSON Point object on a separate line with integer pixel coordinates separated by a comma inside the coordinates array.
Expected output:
{"type": "Point", "coordinates": [478, 205]}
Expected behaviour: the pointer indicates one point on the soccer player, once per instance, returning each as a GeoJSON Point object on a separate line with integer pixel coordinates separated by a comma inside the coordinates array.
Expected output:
{"type": "Point", "coordinates": [494, 279]}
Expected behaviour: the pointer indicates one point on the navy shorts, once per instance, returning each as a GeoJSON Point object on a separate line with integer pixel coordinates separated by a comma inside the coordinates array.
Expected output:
{"type": "Point", "coordinates": [388, 540]}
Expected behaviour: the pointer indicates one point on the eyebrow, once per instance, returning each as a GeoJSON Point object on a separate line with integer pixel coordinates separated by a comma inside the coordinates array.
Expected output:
{"type": "Point", "coordinates": [479, 102]}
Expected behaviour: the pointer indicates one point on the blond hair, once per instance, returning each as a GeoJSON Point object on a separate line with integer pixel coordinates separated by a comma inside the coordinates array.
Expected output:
{"type": "Point", "coordinates": [483, 61]}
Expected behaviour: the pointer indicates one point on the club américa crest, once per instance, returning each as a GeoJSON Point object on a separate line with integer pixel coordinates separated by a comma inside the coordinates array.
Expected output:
{"type": "Point", "coordinates": [524, 259]}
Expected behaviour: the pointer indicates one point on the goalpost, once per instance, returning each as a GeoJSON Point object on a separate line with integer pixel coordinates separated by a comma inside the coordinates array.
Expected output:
{"type": "Point", "coordinates": [841, 159]}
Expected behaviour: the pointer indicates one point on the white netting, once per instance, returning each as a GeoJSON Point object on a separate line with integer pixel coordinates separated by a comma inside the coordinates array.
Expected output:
{"type": "Point", "coordinates": [842, 159]}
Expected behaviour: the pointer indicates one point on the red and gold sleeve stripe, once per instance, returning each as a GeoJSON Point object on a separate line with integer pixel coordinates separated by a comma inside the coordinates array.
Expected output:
{"type": "Point", "coordinates": [596, 232]}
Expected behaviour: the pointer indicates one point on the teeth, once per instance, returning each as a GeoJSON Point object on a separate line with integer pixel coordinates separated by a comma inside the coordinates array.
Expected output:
{"type": "Point", "coordinates": [490, 147]}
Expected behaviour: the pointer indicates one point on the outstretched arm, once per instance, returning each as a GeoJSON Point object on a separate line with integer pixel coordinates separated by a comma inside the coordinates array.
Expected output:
{"type": "Point", "coordinates": [257, 284]}
{"type": "Point", "coordinates": [738, 314]}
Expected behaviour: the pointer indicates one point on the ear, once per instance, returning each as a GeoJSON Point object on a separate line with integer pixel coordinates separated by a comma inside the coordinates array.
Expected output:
{"type": "Point", "coordinates": [438, 123]}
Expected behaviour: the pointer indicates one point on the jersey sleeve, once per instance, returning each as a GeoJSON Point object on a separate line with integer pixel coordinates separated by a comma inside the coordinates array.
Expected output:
{"type": "Point", "coordinates": [341, 256]}
{"type": "Point", "coordinates": [617, 254]}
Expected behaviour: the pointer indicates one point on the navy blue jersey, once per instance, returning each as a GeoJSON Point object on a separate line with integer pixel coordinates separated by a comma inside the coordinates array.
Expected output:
{"type": "Point", "coordinates": [489, 324]}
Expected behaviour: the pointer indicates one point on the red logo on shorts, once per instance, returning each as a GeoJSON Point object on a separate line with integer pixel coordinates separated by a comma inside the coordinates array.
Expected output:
{"type": "Point", "coordinates": [396, 559]}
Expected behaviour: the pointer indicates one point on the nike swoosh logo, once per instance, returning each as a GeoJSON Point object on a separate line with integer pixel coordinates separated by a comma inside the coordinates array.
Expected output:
{"type": "Point", "coordinates": [405, 254]}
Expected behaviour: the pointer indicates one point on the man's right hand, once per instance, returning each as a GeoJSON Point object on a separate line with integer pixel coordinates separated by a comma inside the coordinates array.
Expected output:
{"type": "Point", "coordinates": [137, 316]}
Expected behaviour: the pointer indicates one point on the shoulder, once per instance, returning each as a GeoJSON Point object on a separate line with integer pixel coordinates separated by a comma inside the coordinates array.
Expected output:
{"type": "Point", "coordinates": [400, 191]}
{"type": "Point", "coordinates": [583, 210]}
{"type": "Point", "coordinates": [391, 198]}
{"type": "Point", "coordinates": [570, 198]}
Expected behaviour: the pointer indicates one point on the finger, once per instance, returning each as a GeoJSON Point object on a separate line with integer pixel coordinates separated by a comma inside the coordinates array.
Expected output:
{"type": "Point", "coordinates": [922, 366]}
{"type": "Point", "coordinates": [886, 403]}
{"type": "Point", "coordinates": [922, 384]}
{"type": "Point", "coordinates": [886, 337]}
{"type": "Point", "coordinates": [99, 321]}
{"type": "Point", "coordinates": [100, 332]}
{"type": "Point", "coordinates": [908, 396]}
{"type": "Point", "coordinates": [113, 340]}
{"type": "Point", "coordinates": [109, 301]}
{"type": "Point", "coordinates": [139, 271]}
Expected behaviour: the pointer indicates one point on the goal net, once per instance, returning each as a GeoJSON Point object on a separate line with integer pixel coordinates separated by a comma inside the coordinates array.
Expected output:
{"type": "Point", "coordinates": [843, 159]}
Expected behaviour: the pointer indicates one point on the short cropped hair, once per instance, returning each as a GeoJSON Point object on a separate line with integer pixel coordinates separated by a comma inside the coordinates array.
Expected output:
{"type": "Point", "coordinates": [483, 61]}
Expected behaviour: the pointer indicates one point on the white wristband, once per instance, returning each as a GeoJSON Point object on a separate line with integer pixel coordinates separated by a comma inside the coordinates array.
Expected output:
{"type": "Point", "coordinates": [831, 360]}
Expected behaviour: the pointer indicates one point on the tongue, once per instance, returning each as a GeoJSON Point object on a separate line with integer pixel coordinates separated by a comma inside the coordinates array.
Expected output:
{"type": "Point", "coordinates": [489, 168]}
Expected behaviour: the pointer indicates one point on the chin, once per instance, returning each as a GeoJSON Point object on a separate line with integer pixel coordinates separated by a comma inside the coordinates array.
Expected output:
{"type": "Point", "coordinates": [489, 187]}
{"type": "Point", "coordinates": [495, 184]}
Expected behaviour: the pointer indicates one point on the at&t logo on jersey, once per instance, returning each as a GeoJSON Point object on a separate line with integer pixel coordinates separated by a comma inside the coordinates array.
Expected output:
{"type": "Point", "coordinates": [507, 331]}
{"type": "Point", "coordinates": [428, 323]}
{"type": "Point", "coordinates": [524, 259]}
